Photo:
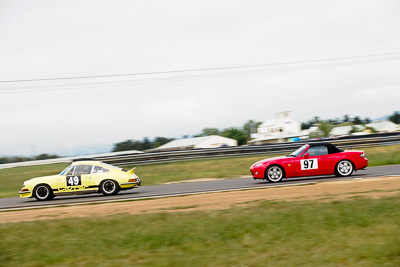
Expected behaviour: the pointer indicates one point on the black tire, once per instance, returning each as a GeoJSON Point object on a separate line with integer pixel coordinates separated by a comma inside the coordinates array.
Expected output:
{"type": "Point", "coordinates": [109, 187]}
{"type": "Point", "coordinates": [344, 168]}
{"type": "Point", "coordinates": [274, 173]}
{"type": "Point", "coordinates": [43, 192]}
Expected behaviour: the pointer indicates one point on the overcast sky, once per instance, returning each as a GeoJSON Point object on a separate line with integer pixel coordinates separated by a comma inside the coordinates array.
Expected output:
{"type": "Point", "coordinates": [56, 39]}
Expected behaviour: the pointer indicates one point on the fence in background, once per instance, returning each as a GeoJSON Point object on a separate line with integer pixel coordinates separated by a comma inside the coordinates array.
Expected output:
{"type": "Point", "coordinates": [129, 158]}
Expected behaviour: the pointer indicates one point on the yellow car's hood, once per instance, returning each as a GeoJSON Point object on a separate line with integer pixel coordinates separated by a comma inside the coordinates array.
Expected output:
{"type": "Point", "coordinates": [42, 179]}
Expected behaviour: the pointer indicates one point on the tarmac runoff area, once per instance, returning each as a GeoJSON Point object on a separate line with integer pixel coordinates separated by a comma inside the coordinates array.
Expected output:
{"type": "Point", "coordinates": [321, 191]}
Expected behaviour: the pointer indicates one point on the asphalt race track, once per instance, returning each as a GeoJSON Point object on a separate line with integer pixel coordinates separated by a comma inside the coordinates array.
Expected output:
{"type": "Point", "coordinates": [156, 191]}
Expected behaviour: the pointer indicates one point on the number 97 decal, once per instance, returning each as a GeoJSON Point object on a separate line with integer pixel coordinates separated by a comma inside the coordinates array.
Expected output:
{"type": "Point", "coordinates": [309, 164]}
{"type": "Point", "coordinates": [73, 180]}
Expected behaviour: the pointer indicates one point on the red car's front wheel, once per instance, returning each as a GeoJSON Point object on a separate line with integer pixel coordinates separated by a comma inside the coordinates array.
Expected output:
{"type": "Point", "coordinates": [274, 174]}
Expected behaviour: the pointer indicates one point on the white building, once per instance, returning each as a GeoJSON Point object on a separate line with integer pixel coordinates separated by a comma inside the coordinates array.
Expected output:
{"type": "Point", "coordinates": [384, 126]}
{"type": "Point", "coordinates": [347, 130]}
{"type": "Point", "coordinates": [282, 128]}
{"type": "Point", "coordinates": [212, 141]}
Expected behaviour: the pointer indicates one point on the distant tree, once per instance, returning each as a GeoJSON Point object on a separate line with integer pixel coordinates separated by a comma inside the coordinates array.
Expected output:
{"type": "Point", "coordinates": [357, 120]}
{"type": "Point", "coordinates": [236, 134]}
{"type": "Point", "coordinates": [336, 121]}
{"type": "Point", "coordinates": [127, 145]}
{"type": "Point", "coordinates": [159, 141]}
{"type": "Point", "coordinates": [346, 118]}
{"type": "Point", "coordinates": [395, 117]}
{"type": "Point", "coordinates": [45, 156]}
{"type": "Point", "coordinates": [209, 131]}
{"type": "Point", "coordinates": [146, 144]}
{"type": "Point", "coordinates": [355, 129]}
{"type": "Point", "coordinates": [346, 124]}
{"type": "Point", "coordinates": [325, 127]}
{"type": "Point", "coordinates": [315, 134]}
{"type": "Point", "coordinates": [370, 129]}
{"type": "Point", "coordinates": [367, 120]}
{"type": "Point", "coordinates": [305, 125]}
{"type": "Point", "coordinates": [141, 145]}
{"type": "Point", "coordinates": [250, 127]}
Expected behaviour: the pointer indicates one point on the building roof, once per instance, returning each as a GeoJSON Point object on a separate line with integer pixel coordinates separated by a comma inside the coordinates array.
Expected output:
{"type": "Point", "coordinates": [277, 121]}
{"type": "Point", "coordinates": [278, 136]}
{"type": "Point", "coordinates": [341, 130]}
{"type": "Point", "coordinates": [280, 118]}
{"type": "Point", "coordinates": [383, 126]}
{"type": "Point", "coordinates": [186, 142]}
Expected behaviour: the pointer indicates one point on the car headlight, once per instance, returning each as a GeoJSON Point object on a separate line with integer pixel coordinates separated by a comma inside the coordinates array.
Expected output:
{"type": "Point", "coordinates": [257, 165]}
{"type": "Point", "coordinates": [362, 155]}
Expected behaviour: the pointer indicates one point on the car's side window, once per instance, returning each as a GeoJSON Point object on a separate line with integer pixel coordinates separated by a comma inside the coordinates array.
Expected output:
{"type": "Point", "coordinates": [99, 169]}
{"type": "Point", "coordinates": [83, 169]}
{"type": "Point", "coordinates": [317, 151]}
{"type": "Point", "coordinates": [71, 171]}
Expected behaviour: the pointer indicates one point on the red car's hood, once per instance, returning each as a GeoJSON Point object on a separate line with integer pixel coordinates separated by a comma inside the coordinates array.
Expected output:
{"type": "Point", "coordinates": [270, 159]}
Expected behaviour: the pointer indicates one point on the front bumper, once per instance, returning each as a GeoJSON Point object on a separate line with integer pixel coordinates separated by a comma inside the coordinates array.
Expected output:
{"type": "Point", "coordinates": [257, 173]}
{"type": "Point", "coordinates": [25, 194]}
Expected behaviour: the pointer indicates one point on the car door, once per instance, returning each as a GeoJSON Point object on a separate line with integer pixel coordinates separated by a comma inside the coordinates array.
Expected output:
{"type": "Point", "coordinates": [99, 173]}
{"type": "Point", "coordinates": [76, 179]}
{"type": "Point", "coordinates": [315, 161]}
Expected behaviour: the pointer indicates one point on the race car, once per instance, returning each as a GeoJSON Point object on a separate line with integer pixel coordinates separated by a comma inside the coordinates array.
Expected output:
{"type": "Point", "coordinates": [81, 177]}
{"type": "Point", "coordinates": [312, 159]}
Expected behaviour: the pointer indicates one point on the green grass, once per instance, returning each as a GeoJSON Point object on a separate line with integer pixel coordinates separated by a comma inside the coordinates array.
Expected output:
{"type": "Point", "coordinates": [357, 232]}
{"type": "Point", "coordinates": [11, 179]}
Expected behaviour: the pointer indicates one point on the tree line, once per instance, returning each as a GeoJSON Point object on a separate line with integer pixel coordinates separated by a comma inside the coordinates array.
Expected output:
{"type": "Point", "coordinates": [4, 160]}
{"type": "Point", "coordinates": [241, 134]}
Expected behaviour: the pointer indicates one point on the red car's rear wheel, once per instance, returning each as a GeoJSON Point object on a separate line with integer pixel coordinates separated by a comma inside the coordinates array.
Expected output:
{"type": "Point", "coordinates": [344, 168]}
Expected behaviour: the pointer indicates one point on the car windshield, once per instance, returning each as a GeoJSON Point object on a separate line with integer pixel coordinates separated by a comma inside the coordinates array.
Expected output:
{"type": "Point", "coordinates": [298, 151]}
{"type": "Point", "coordinates": [65, 170]}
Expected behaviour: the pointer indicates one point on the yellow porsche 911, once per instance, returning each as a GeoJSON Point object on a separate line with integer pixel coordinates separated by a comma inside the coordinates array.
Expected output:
{"type": "Point", "coordinates": [81, 177]}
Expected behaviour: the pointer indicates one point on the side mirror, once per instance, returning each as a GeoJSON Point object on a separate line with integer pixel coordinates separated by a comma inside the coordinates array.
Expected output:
{"type": "Point", "coordinates": [306, 155]}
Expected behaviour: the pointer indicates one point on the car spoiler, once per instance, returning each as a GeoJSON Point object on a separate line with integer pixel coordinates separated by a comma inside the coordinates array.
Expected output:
{"type": "Point", "coordinates": [132, 171]}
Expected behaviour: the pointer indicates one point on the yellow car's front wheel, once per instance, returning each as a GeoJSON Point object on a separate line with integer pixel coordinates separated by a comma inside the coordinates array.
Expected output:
{"type": "Point", "coordinates": [109, 187]}
{"type": "Point", "coordinates": [43, 192]}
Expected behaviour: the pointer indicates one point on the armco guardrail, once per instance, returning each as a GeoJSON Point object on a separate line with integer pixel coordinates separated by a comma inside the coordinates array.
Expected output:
{"type": "Point", "coordinates": [129, 158]}
{"type": "Point", "coordinates": [280, 148]}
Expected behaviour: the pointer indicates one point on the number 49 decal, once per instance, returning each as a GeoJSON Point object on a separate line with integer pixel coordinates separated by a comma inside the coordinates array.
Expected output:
{"type": "Point", "coordinates": [73, 180]}
{"type": "Point", "coordinates": [309, 164]}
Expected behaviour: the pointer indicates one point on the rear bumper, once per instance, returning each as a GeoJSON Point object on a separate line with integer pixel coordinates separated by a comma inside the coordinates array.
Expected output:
{"type": "Point", "coordinates": [362, 164]}
{"type": "Point", "coordinates": [130, 185]}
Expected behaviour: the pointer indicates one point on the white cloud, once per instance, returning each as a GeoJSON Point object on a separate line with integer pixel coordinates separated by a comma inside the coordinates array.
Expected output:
{"type": "Point", "coordinates": [45, 39]}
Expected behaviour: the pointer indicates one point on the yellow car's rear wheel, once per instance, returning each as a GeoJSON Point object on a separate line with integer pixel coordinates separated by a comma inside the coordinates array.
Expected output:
{"type": "Point", "coordinates": [109, 187]}
{"type": "Point", "coordinates": [43, 192]}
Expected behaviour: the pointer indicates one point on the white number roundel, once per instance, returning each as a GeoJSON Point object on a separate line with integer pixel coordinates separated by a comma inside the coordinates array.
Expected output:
{"type": "Point", "coordinates": [309, 164]}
